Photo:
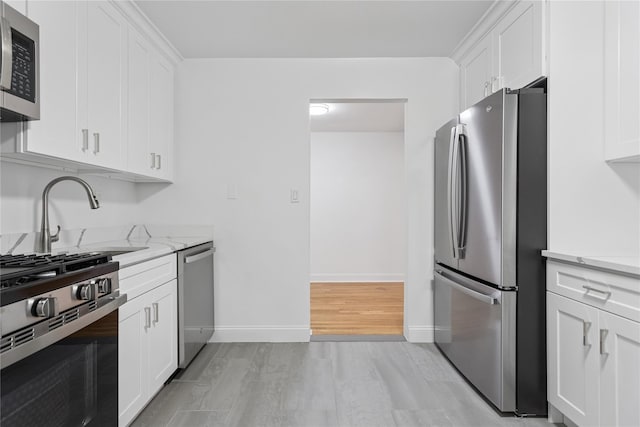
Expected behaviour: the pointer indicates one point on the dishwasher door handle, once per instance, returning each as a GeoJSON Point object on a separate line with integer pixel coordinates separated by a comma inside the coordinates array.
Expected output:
{"type": "Point", "coordinates": [199, 256]}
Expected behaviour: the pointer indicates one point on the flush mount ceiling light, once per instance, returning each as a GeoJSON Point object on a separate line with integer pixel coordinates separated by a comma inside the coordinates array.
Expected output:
{"type": "Point", "coordinates": [318, 109]}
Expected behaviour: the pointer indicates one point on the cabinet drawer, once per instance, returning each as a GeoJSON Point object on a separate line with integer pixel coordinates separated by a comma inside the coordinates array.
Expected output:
{"type": "Point", "coordinates": [143, 277]}
{"type": "Point", "coordinates": [616, 293]}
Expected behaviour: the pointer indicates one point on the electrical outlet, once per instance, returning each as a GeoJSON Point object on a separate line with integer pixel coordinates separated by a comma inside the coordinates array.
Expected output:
{"type": "Point", "coordinates": [294, 196]}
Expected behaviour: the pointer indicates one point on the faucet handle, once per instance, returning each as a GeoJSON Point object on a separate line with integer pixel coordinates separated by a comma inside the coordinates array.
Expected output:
{"type": "Point", "coordinates": [56, 237]}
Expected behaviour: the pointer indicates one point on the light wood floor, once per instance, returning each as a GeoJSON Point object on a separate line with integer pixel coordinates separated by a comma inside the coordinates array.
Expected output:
{"type": "Point", "coordinates": [357, 308]}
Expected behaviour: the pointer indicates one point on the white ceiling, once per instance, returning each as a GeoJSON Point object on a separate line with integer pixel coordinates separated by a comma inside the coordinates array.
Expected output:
{"type": "Point", "coordinates": [360, 117]}
{"type": "Point", "coordinates": [314, 29]}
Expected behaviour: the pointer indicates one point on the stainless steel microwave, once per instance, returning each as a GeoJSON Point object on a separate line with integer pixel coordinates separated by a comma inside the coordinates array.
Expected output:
{"type": "Point", "coordinates": [19, 66]}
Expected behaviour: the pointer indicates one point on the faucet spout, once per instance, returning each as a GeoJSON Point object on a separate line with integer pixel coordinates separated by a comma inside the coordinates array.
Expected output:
{"type": "Point", "coordinates": [46, 238]}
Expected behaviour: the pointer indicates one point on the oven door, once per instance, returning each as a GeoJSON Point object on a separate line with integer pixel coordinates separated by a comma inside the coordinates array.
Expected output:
{"type": "Point", "coordinates": [73, 382]}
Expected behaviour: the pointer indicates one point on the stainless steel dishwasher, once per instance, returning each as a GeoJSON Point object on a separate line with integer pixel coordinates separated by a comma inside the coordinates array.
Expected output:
{"type": "Point", "coordinates": [195, 301]}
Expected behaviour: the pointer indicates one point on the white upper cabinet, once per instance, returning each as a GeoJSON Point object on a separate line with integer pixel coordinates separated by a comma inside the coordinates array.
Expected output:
{"type": "Point", "coordinates": [150, 139]}
{"type": "Point", "coordinates": [57, 133]}
{"type": "Point", "coordinates": [161, 117]}
{"type": "Point", "coordinates": [517, 40]}
{"type": "Point", "coordinates": [622, 81]}
{"type": "Point", "coordinates": [476, 72]}
{"type": "Point", "coordinates": [506, 50]}
{"type": "Point", "coordinates": [106, 87]}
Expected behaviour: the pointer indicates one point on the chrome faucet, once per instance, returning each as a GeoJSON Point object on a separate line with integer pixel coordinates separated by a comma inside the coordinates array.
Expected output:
{"type": "Point", "coordinates": [46, 238]}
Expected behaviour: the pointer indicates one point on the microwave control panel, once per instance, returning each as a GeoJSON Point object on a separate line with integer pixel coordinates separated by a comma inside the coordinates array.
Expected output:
{"type": "Point", "coordinates": [23, 72]}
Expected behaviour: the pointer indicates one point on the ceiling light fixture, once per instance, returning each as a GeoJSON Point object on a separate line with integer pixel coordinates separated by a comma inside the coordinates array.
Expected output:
{"type": "Point", "coordinates": [318, 109]}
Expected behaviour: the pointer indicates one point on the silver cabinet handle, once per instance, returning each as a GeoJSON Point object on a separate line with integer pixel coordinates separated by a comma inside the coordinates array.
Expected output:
{"type": "Point", "coordinates": [147, 317]}
{"type": "Point", "coordinates": [153, 160]}
{"type": "Point", "coordinates": [473, 294]}
{"type": "Point", "coordinates": [603, 337]}
{"type": "Point", "coordinates": [495, 84]}
{"type": "Point", "coordinates": [486, 89]}
{"type": "Point", "coordinates": [6, 62]}
{"type": "Point", "coordinates": [585, 333]}
{"type": "Point", "coordinates": [159, 161]}
{"type": "Point", "coordinates": [96, 143]}
{"type": "Point", "coordinates": [198, 256]}
{"type": "Point", "coordinates": [156, 315]}
{"type": "Point", "coordinates": [85, 139]}
{"type": "Point", "coordinates": [592, 289]}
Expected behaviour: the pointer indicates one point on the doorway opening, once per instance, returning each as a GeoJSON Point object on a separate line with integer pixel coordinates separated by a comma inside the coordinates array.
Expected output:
{"type": "Point", "coordinates": [358, 219]}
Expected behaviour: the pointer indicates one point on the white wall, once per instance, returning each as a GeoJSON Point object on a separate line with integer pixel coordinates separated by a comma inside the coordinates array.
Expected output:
{"type": "Point", "coordinates": [358, 209]}
{"type": "Point", "coordinates": [21, 194]}
{"type": "Point", "coordinates": [594, 207]}
{"type": "Point", "coordinates": [244, 122]}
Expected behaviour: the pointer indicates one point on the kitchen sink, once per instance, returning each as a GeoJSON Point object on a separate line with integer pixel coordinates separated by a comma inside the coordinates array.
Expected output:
{"type": "Point", "coordinates": [114, 251]}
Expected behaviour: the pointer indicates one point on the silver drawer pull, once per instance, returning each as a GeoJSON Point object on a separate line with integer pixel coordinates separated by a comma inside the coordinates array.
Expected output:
{"type": "Point", "coordinates": [585, 333]}
{"type": "Point", "coordinates": [603, 337]}
{"type": "Point", "coordinates": [85, 139]}
{"type": "Point", "coordinates": [159, 157]}
{"type": "Point", "coordinates": [147, 317]}
{"type": "Point", "coordinates": [96, 143]}
{"type": "Point", "coordinates": [153, 160]}
{"type": "Point", "coordinates": [592, 289]}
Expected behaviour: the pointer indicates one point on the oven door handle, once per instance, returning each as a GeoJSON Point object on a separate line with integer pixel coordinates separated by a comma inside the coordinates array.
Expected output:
{"type": "Point", "coordinates": [22, 351]}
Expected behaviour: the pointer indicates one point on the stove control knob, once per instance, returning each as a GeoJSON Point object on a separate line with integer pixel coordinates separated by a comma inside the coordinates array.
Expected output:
{"type": "Point", "coordinates": [104, 286]}
{"type": "Point", "coordinates": [45, 307]}
{"type": "Point", "coordinates": [86, 292]}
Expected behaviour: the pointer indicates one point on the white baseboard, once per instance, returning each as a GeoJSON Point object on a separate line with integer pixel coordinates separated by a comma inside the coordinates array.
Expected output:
{"type": "Point", "coordinates": [357, 277]}
{"type": "Point", "coordinates": [261, 334]}
{"type": "Point", "coordinates": [420, 334]}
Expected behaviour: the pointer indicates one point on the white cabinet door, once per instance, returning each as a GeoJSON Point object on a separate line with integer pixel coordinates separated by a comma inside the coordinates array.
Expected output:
{"type": "Point", "coordinates": [57, 133]}
{"type": "Point", "coordinates": [161, 116]}
{"type": "Point", "coordinates": [106, 87]}
{"type": "Point", "coordinates": [619, 371]}
{"type": "Point", "coordinates": [162, 359]}
{"type": "Point", "coordinates": [518, 46]}
{"type": "Point", "coordinates": [622, 84]}
{"type": "Point", "coordinates": [132, 358]}
{"type": "Point", "coordinates": [138, 153]}
{"type": "Point", "coordinates": [475, 73]}
{"type": "Point", "coordinates": [572, 348]}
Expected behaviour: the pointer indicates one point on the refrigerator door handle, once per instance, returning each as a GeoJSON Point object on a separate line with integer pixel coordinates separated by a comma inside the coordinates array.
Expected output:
{"type": "Point", "coordinates": [474, 294]}
{"type": "Point", "coordinates": [450, 198]}
{"type": "Point", "coordinates": [462, 185]}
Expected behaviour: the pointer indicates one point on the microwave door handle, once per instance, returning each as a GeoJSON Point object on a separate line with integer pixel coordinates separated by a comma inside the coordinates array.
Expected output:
{"type": "Point", "coordinates": [6, 64]}
{"type": "Point", "coordinates": [450, 191]}
{"type": "Point", "coordinates": [462, 184]}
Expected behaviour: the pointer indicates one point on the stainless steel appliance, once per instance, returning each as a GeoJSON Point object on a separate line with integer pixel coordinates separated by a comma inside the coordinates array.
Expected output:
{"type": "Point", "coordinates": [490, 226]}
{"type": "Point", "coordinates": [19, 66]}
{"type": "Point", "coordinates": [59, 344]}
{"type": "Point", "coordinates": [195, 301]}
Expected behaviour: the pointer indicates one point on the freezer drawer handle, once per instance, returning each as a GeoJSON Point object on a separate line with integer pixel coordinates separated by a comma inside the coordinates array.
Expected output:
{"type": "Point", "coordinates": [198, 256]}
{"type": "Point", "coordinates": [474, 294]}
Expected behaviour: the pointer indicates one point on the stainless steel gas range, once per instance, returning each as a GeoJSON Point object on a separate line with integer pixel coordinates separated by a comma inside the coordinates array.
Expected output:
{"type": "Point", "coordinates": [59, 344]}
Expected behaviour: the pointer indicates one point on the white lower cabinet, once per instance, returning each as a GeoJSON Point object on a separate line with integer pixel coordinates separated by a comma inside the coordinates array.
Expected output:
{"type": "Point", "coordinates": [147, 348]}
{"type": "Point", "coordinates": [594, 363]}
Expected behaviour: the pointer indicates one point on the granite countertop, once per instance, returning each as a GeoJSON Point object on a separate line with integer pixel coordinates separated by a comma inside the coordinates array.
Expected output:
{"type": "Point", "coordinates": [629, 264]}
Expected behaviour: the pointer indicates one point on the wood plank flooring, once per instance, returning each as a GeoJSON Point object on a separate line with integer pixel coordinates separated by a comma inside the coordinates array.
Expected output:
{"type": "Point", "coordinates": [322, 384]}
{"type": "Point", "coordinates": [357, 308]}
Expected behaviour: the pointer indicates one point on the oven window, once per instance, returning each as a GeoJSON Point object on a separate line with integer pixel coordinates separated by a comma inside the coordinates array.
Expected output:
{"type": "Point", "coordinates": [70, 383]}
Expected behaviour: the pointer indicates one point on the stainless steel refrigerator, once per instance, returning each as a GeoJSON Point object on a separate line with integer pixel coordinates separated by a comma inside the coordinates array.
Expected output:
{"type": "Point", "coordinates": [490, 226]}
